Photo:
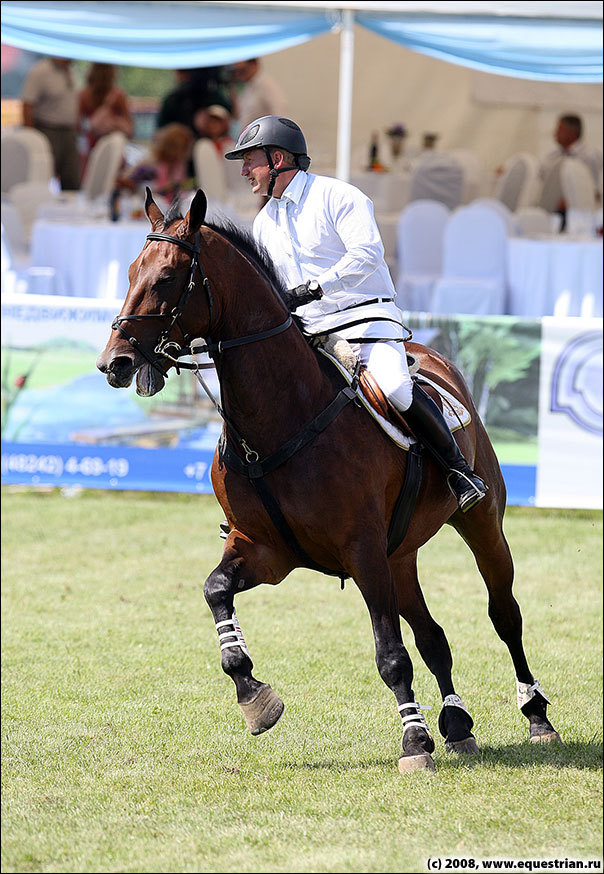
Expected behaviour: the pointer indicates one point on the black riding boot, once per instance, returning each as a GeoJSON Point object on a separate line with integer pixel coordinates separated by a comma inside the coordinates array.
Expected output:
{"type": "Point", "coordinates": [428, 425]}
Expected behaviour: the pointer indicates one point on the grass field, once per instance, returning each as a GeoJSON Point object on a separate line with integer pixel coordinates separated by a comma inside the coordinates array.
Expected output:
{"type": "Point", "coordinates": [124, 750]}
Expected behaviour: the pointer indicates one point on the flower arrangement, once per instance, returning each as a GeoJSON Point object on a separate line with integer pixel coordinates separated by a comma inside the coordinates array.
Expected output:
{"type": "Point", "coordinates": [398, 131]}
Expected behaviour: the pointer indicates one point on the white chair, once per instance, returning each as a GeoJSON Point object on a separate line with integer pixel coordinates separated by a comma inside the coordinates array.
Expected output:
{"type": "Point", "coordinates": [209, 170]}
{"type": "Point", "coordinates": [103, 166]}
{"type": "Point", "coordinates": [27, 198]}
{"type": "Point", "coordinates": [17, 274]}
{"type": "Point", "coordinates": [578, 185]}
{"type": "Point", "coordinates": [474, 263]}
{"type": "Point", "coordinates": [438, 177]}
{"type": "Point", "coordinates": [474, 175]}
{"type": "Point", "coordinates": [420, 233]}
{"type": "Point", "coordinates": [501, 209]}
{"type": "Point", "coordinates": [517, 185]}
{"type": "Point", "coordinates": [534, 220]}
{"type": "Point", "coordinates": [582, 222]}
{"type": "Point", "coordinates": [26, 157]}
{"type": "Point", "coordinates": [551, 190]}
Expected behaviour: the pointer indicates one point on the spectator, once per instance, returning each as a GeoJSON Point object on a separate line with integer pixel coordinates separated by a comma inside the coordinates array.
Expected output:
{"type": "Point", "coordinates": [213, 123]}
{"type": "Point", "coordinates": [50, 104]}
{"type": "Point", "coordinates": [166, 167]}
{"type": "Point", "coordinates": [196, 88]}
{"type": "Point", "coordinates": [255, 94]}
{"type": "Point", "coordinates": [568, 133]}
{"type": "Point", "coordinates": [103, 108]}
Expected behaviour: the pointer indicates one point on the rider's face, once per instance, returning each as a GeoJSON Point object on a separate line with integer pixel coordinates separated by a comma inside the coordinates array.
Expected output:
{"type": "Point", "coordinates": [256, 170]}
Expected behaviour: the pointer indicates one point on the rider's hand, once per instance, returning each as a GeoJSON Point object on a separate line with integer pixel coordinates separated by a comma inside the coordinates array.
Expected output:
{"type": "Point", "coordinates": [301, 294]}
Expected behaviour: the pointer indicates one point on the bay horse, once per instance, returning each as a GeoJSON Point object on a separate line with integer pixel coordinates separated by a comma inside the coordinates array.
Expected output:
{"type": "Point", "coordinates": [300, 488]}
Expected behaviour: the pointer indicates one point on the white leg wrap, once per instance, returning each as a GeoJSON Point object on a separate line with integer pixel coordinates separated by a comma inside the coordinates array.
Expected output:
{"type": "Point", "coordinates": [455, 701]}
{"type": "Point", "coordinates": [525, 692]}
{"type": "Point", "coordinates": [416, 718]}
{"type": "Point", "coordinates": [233, 636]}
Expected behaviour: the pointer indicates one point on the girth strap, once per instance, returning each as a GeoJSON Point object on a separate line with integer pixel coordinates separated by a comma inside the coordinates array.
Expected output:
{"type": "Point", "coordinates": [405, 503]}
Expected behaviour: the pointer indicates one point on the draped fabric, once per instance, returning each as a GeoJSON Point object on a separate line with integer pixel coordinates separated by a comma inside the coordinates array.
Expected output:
{"type": "Point", "coordinates": [158, 35]}
{"type": "Point", "coordinates": [562, 49]}
{"type": "Point", "coordinates": [200, 34]}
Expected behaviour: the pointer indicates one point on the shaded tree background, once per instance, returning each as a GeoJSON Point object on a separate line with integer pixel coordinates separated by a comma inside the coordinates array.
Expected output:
{"type": "Point", "coordinates": [499, 359]}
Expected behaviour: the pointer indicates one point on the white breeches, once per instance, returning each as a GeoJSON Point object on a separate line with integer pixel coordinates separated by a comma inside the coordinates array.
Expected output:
{"type": "Point", "coordinates": [387, 362]}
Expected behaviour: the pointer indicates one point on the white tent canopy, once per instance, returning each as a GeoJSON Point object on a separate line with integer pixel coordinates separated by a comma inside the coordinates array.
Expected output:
{"type": "Point", "coordinates": [557, 41]}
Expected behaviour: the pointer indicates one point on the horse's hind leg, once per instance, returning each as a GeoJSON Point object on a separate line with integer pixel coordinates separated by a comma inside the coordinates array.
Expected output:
{"type": "Point", "coordinates": [482, 530]}
{"type": "Point", "coordinates": [372, 576]}
{"type": "Point", "coordinates": [237, 572]}
{"type": "Point", "coordinates": [455, 723]}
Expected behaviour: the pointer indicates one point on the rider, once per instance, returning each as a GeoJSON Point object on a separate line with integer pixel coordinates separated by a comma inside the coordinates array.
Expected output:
{"type": "Point", "coordinates": [322, 235]}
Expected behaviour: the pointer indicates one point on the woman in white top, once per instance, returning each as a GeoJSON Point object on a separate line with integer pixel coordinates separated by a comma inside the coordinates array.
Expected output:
{"type": "Point", "coordinates": [322, 235]}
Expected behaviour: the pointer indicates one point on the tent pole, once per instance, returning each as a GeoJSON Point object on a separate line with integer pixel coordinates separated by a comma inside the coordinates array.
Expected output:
{"type": "Point", "coordinates": [345, 95]}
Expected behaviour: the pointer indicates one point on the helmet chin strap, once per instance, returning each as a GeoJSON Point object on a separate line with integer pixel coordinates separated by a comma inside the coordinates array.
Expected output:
{"type": "Point", "coordinates": [274, 173]}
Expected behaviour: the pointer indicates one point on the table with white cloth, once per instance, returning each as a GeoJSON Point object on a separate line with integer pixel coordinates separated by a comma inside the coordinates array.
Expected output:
{"type": "Point", "coordinates": [555, 276]}
{"type": "Point", "coordinates": [90, 258]}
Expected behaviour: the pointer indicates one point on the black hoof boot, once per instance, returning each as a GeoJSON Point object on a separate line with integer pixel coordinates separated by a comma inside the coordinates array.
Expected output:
{"type": "Point", "coordinates": [455, 724]}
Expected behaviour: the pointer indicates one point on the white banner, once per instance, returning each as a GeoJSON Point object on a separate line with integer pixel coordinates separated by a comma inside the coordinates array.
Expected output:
{"type": "Point", "coordinates": [569, 472]}
{"type": "Point", "coordinates": [29, 319]}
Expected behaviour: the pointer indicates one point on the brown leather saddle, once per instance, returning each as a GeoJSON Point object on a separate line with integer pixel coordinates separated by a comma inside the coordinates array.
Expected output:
{"type": "Point", "coordinates": [380, 403]}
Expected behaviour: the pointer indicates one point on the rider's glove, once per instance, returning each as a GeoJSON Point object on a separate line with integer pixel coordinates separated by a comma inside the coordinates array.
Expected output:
{"type": "Point", "coordinates": [297, 297]}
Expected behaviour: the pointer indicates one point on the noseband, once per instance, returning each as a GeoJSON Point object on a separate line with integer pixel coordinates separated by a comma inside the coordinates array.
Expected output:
{"type": "Point", "coordinates": [176, 349]}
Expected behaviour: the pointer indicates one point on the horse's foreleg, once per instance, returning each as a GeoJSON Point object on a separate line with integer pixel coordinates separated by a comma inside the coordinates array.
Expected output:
{"type": "Point", "coordinates": [483, 533]}
{"type": "Point", "coordinates": [455, 723]}
{"type": "Point", "coordinates": [261, 706]}
{"type": "Point", "coordinates": [393, 662]}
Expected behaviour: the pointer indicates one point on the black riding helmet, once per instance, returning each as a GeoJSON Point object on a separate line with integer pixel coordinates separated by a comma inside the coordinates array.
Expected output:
{"type": "Point", "coordinates": [272, 130]}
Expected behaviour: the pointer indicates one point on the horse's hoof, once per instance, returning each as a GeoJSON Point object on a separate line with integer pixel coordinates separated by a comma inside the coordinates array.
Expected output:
{"type": "Point", "coordinates": [423, 762]}
{"type": "Point", "coordinates": [467, 747]}
{"type": "Point", "coordinates": [264, 711]}
{"type": "Point", "coordinates": [549, 737]}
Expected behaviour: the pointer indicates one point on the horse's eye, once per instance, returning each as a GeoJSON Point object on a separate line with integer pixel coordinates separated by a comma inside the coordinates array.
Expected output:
{"type": "Point", "coordinates": [165, 280]}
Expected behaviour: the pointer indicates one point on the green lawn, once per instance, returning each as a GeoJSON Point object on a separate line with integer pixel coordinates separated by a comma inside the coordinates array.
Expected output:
{"type": "Point", "coordinates": [123, 747]}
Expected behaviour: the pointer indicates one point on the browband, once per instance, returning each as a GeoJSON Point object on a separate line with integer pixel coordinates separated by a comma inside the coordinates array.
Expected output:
{"type": "Point", "coordinates": [166, 238]}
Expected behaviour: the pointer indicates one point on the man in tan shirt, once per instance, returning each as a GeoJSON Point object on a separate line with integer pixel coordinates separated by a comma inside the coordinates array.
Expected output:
{"type": "Point", "coordinates": [50, 104]}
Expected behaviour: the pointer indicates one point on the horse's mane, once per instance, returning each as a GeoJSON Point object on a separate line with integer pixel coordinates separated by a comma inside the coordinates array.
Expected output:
{"type": "Point", "coordinates": [243, 241]}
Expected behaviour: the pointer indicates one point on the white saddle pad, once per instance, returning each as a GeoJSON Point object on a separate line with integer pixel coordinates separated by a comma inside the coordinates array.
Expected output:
{"type": "Point", "coordinates": [455, 413]}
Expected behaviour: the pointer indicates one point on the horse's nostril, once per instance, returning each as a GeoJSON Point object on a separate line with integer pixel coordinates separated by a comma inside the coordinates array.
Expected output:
{"type": "Point", "coordinates": [121, 362]}
{"type": "Point", "coordinates": [116, 364]}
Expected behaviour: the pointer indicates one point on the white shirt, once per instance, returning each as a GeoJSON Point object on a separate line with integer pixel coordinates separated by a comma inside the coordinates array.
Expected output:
{"type": "Point", "coordinates": [579, 150]}
{"type": "Point", "coordinates": [324, 229]}
{"type": "Point", "coordinates": [50, 89]}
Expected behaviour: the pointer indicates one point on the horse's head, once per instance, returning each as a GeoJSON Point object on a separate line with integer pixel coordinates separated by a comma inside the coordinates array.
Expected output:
{"type": "Point", "coordinates": [153, 314]}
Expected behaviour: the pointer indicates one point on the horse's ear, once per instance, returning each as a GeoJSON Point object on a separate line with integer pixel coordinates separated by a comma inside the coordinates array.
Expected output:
{"type": "Point", "coordinates": [154, 213]}
{"type": "Point", "coordinates": [197, 212]}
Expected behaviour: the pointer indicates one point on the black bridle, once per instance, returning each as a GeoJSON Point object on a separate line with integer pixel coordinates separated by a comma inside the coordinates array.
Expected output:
{"type": "Point", "coordinates": [170, 350]}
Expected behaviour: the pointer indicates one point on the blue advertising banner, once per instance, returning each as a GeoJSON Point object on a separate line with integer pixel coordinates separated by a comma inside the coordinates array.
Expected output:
{"type": "Point", "coordinates": [107, 467]}
{"type": "Point", "coordinates": [158, 470]}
